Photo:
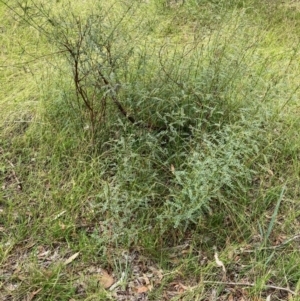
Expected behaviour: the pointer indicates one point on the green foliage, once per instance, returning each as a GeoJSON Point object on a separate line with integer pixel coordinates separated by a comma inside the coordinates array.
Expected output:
{"type": "Point", "coordinates": [213, 173]}
{"type": "Point", "coordinates": [149, 104]}
{"type": "Point", "coordinates": [158, 123]}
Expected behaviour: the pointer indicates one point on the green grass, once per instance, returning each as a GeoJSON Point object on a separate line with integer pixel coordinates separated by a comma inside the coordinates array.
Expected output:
{"type": "Point", "coordinates": [151, 208]}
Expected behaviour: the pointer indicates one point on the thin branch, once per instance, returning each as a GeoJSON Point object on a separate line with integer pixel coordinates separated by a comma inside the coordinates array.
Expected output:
{"type": "Point", "coordinates": [167, 74]}
{"type": "Point", "coordinates": [250, 285]}
{"type": "Point", "coordinates": [272, 247]}
{"type": "Point", "coordinates": [30, 22]}
{"type": "Point", "coordinates": [79, 90]}
{"type": "Point", "coordinates": [123, 110]}
{"type": "Point", "coordinates": [180, 85]}
{"type": "Point", "coordinates": [34, 60]}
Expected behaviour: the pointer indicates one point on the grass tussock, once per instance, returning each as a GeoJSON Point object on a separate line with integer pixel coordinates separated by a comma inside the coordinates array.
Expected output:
{"type": "Point", "coordinates": [149, 150]}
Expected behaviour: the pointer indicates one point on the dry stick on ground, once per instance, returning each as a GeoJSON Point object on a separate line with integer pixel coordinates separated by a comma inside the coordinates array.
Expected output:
{"type": "Point", "coordinates": [250, 285]}
{"type": "Point", "coordinates": [272, 247]}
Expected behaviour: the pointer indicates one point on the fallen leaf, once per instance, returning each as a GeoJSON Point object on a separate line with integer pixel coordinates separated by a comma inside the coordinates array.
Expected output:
{"type": "Point", "coordinates": [141, 289]}
{"type": "Point", "coordinates": [213, 296]}
{"type": "Point", "coordinates": [11, 287]}
{"type": "Point", "coordinates": [106, 280]}
{"type": "Point", "coordinates": [158, 273]}
{"type": "Point", "coordinates": [62, 225]}
{"type": "Point", "coordinates": [59, 215]}
{"type": "Point", "coordinates": [230, 298]}
{"type": "Point", "coordinates": [22, 277]}
{"type": "Point", "coordinates": [219, 262]}
{"type": "Point", "coordinates": [184, 287]}
{"type": "Point", "coordinates": [179, 287]}
{"type": "Point", "coordinates": [44, 254]}
{"type": "Point", "coordinates": [33, 294]}
{"type": "Point", "coordinates": [71, 258]}
{"type": "Point", "coordinates": [146, 279]}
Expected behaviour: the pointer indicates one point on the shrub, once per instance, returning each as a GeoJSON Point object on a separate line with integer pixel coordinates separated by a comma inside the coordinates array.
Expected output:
{"type": "Point", "coordinates": [177, 124]}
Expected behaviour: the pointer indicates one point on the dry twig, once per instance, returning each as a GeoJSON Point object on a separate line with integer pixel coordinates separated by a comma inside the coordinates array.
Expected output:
{"type": "Point", "coordinates": [250, 285]}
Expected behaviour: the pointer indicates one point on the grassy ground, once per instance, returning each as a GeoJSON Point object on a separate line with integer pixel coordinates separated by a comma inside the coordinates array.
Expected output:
{"type": "Point", "coordinates": [205, 209]}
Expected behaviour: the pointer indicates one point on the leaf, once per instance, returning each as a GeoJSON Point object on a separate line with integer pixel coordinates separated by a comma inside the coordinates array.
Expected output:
{"type": "Point", "coordinates": [158, 273]}
{"type": "Point", "coordinates": [33, 294]}
{"type": "Point", "coordinates": [184, 287]}
{"type": "Point", "coordinates": [62, 225]}
{"type": "Point", "coordinates": [59, 215]}
{"type": "Point", "coordinates": [146, 279]}
{"type": "Point", "coordinates": [230, 298]}
{"type": "Point", "coordinates": [106, 280]}
{"type": "Point", "coordinates": [141, 289]}
{"type": "Point", "coordinates": [71, 258]}
{"type": "Point", "coordinates": [219, 262]}
{"type": "Point", "coordinates": [213, 296]}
